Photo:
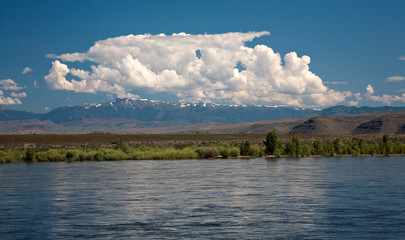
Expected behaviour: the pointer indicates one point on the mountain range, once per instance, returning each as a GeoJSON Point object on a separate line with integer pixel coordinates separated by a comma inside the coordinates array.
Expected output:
{"type": "Point", "coordinates": [150, 116]}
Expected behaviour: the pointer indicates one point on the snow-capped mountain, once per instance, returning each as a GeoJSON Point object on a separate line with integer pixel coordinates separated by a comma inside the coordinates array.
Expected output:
{"type": "Point", "coordinates": [152, 110]}
{"type": "Point", "coordinates": [144, 110]}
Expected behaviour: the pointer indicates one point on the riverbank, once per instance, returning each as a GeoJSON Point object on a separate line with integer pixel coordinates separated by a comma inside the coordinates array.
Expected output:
{"type": "Point", "coordinates": [96, 140]}
{"type": "Point", "coordinates": [269, 146]}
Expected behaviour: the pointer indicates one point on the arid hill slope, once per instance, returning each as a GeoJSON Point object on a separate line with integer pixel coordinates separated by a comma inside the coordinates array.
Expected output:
{"type": "Point", "coordinates": [373, 123]}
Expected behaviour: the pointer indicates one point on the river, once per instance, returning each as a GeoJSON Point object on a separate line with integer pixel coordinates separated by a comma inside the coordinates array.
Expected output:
{"type": "Point", "coordinates": [307, 198]}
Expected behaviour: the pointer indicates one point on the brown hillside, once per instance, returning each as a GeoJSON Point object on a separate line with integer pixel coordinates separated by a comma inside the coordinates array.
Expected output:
{"type": "Point", "coordinates": [374, 123]}
{"type": "Point", "coordinates": [390, 123]}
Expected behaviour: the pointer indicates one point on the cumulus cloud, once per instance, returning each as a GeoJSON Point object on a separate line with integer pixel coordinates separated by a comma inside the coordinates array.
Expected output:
{"type": "Point", "coordinates": [26, 70]}
{"type": "Point", "coordinates": [395, 79]}
{"type": "Point", "coordinates": [9, 101]}
{"type": "Point", "coordinates": [357, 96]}
{"type": "Point", "coordinates": [385, 98]}
{"type": "Point", "coordinates": [18, 95]}
{"type": "Point", "coordinates": [401, 58]}
{"type": "Point", "coordinates": [9, 84]}
{"type": "Point", "coordinates": [194, 68]}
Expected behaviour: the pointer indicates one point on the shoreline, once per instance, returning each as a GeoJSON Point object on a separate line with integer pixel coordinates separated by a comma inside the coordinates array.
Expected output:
{"type": "Point", "coordinates": [94, 140]}
{"type": "Point", "coordinates": [273, 157]}
{"type": "Point", "coordinates": [196, 146]}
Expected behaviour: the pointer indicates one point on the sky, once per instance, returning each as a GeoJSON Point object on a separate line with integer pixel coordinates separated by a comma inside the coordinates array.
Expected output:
{"type": "Point", "coordinates": [275, 53]}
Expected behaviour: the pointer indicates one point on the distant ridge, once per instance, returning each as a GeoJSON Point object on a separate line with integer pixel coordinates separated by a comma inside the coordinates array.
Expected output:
{"type": "Point", "coordinates": [151, 110]}
{"type": "Point", "coordinates": [149, 116]}
{"type": "Point", "coordinates": [8, 114]}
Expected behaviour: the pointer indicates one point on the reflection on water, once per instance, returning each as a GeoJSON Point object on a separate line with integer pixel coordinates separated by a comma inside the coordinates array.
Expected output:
{"type": "Point", "coordinates": [322, 198]}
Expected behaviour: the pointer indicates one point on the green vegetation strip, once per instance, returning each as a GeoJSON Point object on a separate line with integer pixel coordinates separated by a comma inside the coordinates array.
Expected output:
{"type": "Point", "coordinates": [270, 147]}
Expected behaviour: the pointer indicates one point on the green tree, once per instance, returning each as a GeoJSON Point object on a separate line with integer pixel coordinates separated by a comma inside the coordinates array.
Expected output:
{"type": "Point", "coordinates": [364, 149]}
{"type": "Point", "coordinates": [338, 146]}
{"type": "Point", "coordinates": [297, 145]}
{"type": "Point", "coordinates": [317, 147]}
{"type": "Point", "coordinates": [294, 147]}
{"type": "Point", "coordinates": [245, 148]}
{"type": "Point", "coordinates": [386, 145]}
{"type": "Point", "coordinates": [272, 143]}
{"type": "Point", "coordinates": [327, 149]}
{"type": "Point", "coordinates": [29, 155]}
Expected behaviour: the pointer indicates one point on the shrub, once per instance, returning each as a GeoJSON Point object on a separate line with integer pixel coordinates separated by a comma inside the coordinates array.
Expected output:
{"type": "Point", "coordinates": [54, 155]}
{"type": "Point", "coordinates": [3, 157]}
{"type": "Point", "coordinates": [14, 155]}
{"type": "Point", "coordinates": [72, 155]}
{"type": "Point", "coordinates": [114, 155]}
{"type": "Point", "coordinates": [234, 152]}
{"type": "Point", "coordinates": [225, 152]}
{"type": "Point", "coordinates": [256, 150]}
{"type": "Point", "coordinates": [122, 146]}
{"type": "Point", "coordinates": [207, 152]}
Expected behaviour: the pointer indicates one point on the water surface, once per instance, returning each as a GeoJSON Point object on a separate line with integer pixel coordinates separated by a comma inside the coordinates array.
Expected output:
{"type": "Point", "coordinates": [309, 198]}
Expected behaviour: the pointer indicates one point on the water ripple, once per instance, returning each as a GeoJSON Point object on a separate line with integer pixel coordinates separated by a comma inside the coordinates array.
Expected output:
{"type": "Point", "coordinates": [333, 198]}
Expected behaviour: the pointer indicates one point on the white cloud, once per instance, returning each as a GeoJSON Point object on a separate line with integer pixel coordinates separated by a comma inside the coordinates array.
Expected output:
{"type": "Point", "coordinates": [335, 82]}
{"type": "Point", "coordinates": [35, 85]}
{"type": "Point", "coordinates": [46, 109]}
{"type": "Point", "coordinates": [9, 84]}
{"type": "Point", "coordinates": [9, 100]}
{"type": "Point", "coordinates": [18, 95]}
{"type": "Point", "coordinates": [357, 96]}
{"type": "Point", "coordinates": [160, 63]}
{"type": "Point", "coordinates": [395, 79]}
{"type": "Point", "coordinates": [401, 58]}
{"type": "Point", "coordinates": [26, 70]}
{"type": "Point", "coordinates": [385, 98]}
{"type": "Point", "coordinates": [370, 90]}
{"type": "Point", "coordinates": [71, 57]}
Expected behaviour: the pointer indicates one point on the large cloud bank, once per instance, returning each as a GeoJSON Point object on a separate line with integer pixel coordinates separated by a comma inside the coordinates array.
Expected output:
{"type": "Point", "coordinates": [212, 68]}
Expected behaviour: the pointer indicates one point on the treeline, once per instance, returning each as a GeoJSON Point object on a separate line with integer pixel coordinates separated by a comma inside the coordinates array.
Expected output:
{"type": "Point", "coordinates": [271, 146]}
{"type": "Point", "coordinates": [355, 147]}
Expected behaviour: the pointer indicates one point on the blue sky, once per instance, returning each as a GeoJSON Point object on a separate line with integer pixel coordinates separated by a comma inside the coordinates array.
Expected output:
{"type": "Point", "coordinates": [356, 51]}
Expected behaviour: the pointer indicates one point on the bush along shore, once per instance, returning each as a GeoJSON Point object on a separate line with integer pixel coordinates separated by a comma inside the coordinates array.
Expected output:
{"type": "Point", "coordinates": [270, 147]}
